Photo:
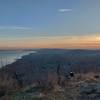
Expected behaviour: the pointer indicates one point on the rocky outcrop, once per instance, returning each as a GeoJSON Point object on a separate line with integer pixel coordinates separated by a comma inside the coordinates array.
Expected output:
{"type": "Point", "coordinates": [90, 91]}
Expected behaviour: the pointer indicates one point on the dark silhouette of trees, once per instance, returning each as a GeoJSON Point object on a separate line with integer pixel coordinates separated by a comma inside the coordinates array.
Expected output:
{"type": "Point", "coordinates": [19, 79]}
{"type": "Point", "coordinates": [58, 75]}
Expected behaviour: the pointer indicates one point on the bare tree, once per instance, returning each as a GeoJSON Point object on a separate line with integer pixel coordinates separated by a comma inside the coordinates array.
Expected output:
{"type": "Point", "coordinates": [19, 79]}
{"type": "Point", "coordinates": [58, 75]}
{"type": "Point", "coordinates": [1, 62]}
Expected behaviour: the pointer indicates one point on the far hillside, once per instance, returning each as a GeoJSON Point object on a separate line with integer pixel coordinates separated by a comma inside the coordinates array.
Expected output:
{"type": "Point", "coordinates": [40, 65]}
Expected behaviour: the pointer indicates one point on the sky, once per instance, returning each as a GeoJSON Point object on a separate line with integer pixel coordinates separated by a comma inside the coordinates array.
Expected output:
{"type": "Point", "coordinates": [68, 24]}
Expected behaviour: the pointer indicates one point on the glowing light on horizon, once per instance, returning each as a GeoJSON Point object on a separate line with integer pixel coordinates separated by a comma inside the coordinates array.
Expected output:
{"type": "Point", "coordinates": [82, 42]}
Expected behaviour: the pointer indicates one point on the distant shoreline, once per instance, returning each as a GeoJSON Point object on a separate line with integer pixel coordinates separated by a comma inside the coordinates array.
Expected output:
{"type": "Point", "coordinates": [6, 56]}
{"type": "Point", "coordinates": [37, 66]}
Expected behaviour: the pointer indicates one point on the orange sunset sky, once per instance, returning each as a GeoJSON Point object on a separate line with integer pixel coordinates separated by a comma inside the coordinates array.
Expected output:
{"type": "Point", "coordinates": [68, 42]}
{"type": "Point", "coordinates": [70, 24]}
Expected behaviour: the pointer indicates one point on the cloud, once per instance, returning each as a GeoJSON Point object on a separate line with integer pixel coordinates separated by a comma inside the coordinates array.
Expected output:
{"type": "Point", "coordinates": [15, 28]}
{"type": "Point", "coordinates": [64, 10]}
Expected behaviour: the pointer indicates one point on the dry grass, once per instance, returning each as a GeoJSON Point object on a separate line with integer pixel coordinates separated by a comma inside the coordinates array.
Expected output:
{"type": "Point", "coordinates": [72, 88]}
{"type": "Point", "coordinates": [71, 91]}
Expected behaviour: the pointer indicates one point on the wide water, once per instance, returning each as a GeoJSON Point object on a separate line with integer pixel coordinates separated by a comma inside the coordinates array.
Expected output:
{"type": "Point", "coordinates": [8, 57]}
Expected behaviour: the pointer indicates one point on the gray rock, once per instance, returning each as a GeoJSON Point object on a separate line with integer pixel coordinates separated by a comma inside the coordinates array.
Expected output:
{"type": "Point", "coordinates": [86, 89]}
{"type": "Point", "coordinates": [97, 88]}
{"type": "Point", "coordinates": [90, 91]}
